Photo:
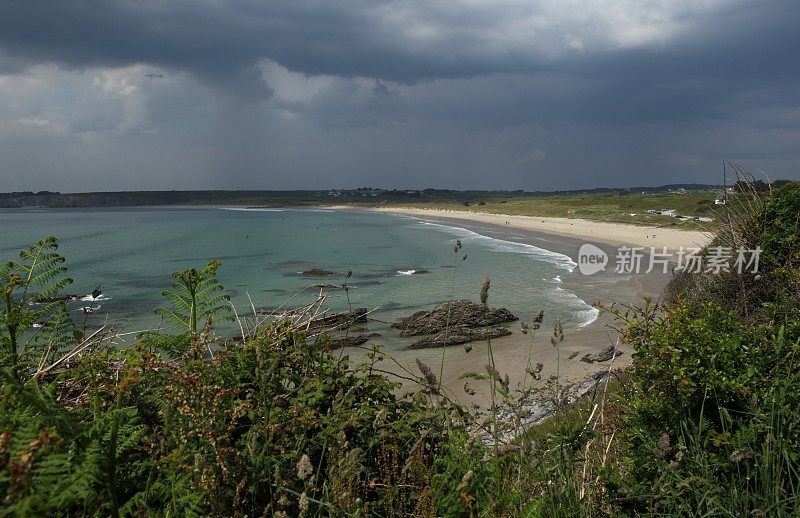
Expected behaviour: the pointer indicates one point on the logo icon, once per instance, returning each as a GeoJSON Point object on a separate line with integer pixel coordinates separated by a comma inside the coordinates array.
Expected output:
{"type": "Point", "coordinates": [591, 259]}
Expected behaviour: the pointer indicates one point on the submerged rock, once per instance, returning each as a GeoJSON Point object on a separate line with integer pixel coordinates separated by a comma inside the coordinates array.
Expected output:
{"type": "Point", "coordinates": [60, 298]}
{"type": "Point", "coordinates": [455, 315]}
{"type": "Point", "coordinates": [459, 336]}
{"type": "Point", "coordinates": [340, 321]}
{"type": "Point", "coordinates": [95, 294]}
{"type": "Point", "coordinates": [603, 356]}
{"type": "Point", "coordinates": [352, 340]}
{"type": "Point", "coordinates": [317, 272]}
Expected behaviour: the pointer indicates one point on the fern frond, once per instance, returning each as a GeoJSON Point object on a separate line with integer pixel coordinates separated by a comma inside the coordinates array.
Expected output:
{"type": "Point", "coordinates": [45, 270]}
{"type": "Point", "coordinates": [177, 300]}
{"type": "Point", "coordinates": [202, 294]}
{"type": "Point", "coordinates": [173, 317]}
{"type": "Point", "coordinates": [194, 295]}
{"type": "Point", "coordinates": [213, 302]}
{"type": "Point", "coordinates": [57, 335]}
{"type": "Point", "coordinates": [55, 288]}
{"type": "Point", "coordinates": [48, 408]}
{"type": "Point", "coordinates": [182, 290]}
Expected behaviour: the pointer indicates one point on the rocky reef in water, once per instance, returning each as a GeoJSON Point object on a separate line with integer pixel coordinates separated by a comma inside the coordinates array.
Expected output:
{"type": "Point", "coordinates": [455, 322]}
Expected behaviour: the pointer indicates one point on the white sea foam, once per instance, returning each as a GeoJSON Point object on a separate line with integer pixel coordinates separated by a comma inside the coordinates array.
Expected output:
{"type": "Point", "coordinates": [589, 315]}
{"type": "Point", "coordinates": [584, 313]}
{"type": "Point", "coordinates": [89, 298]}
{"type": "Point", "coordinates": [253, 209]}
{"type": "Point", "coordinates": [406, 272]}
{"type": "Point", "coordinates": [272, 209]}
{"type": "Point", "coordinates": [501, 245]}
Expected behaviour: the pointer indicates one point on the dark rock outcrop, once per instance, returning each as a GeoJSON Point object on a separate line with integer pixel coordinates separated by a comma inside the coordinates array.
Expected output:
{"type": "Point", "coordinates": [603, 356]}
{"type": "Point", "coordinates": [340, 320]}
{"type": "Point", "coordinates": [455, 315]}
{"type": "Point", "coordinates": [459, 336]}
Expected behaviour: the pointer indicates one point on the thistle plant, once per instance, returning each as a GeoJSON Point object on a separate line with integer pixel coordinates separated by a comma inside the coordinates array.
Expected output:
{"type": "Point", "coordinates": [195, 294]}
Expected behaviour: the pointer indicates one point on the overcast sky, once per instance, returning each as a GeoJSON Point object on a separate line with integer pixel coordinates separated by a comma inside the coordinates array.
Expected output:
{"type": "Point", "coordinates": [499, 94]}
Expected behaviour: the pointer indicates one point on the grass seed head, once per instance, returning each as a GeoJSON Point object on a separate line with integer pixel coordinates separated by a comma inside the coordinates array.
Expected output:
{"type": "Point", "coordinates": [427, 373]}
{"type": "Point", "coordinates": [485, 290]}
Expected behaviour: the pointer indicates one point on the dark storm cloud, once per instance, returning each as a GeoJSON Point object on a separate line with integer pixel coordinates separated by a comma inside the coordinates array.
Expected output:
{"type": "Point", "coordinates": [729, 50]}
{"type": "Point", "coordinates": [272, 92]}
{"type": "Point", "coordinates": [222, 40]}
{"type": "Point", "coordinates": [695, 77]}
{"type": "Point", "coordinates": [216, 40]}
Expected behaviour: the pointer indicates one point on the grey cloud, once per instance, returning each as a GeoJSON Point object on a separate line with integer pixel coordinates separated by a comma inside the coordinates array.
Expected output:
{"type": "Point", "coordinates": [218, 39]}
{"type": "Point", "coordinates": [406, 93]}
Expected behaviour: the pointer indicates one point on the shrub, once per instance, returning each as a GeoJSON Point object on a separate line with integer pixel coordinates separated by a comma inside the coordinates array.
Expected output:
{"type": "Point", "coordinates": [275, 424]}
{"type": "Point", "coordinates": [714, 426]}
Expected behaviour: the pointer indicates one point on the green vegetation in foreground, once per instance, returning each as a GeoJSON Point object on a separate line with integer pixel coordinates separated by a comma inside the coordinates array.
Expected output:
{"type": "Point", "coordinates": [705, 422]}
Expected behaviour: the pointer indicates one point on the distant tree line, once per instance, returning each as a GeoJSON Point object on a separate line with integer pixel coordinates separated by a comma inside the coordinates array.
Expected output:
{"type": "Point", "coordinates": [302, 198]}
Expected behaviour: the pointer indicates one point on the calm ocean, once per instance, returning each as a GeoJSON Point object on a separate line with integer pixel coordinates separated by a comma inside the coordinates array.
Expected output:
{"type": "Point", "coordinates": [132, 251]}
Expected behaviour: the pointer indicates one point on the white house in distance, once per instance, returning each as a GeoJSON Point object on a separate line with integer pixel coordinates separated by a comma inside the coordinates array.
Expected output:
{"type": "Point", "coordinates": [722, 197]}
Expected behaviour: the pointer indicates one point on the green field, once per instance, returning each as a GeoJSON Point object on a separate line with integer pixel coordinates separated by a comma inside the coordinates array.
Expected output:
{"type": "Point", "coordinates": [618, 205]}
{"type": "Point", "coordinates": [619, 208]}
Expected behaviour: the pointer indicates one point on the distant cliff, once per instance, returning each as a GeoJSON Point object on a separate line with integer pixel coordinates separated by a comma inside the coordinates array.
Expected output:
{"type": "Point", "coordinates": [142, 198]}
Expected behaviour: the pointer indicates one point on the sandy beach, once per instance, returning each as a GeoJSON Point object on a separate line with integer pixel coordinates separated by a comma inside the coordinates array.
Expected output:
{"type": "Point", "coordinates": [514, 353]}
{"type": "Point", "coordinates": [595, 231]}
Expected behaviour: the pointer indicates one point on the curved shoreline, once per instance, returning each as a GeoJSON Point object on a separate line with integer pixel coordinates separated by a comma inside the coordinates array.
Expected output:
{"type": "Point", "coordinates": [595, 231]}
{"type": "Point", "coordinates": [511, 352]}
{"type": "Point", "coordinates": [560, 260]}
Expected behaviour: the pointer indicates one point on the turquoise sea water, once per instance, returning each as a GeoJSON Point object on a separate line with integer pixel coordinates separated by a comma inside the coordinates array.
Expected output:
{"type": "Point", "coordinates": [132, 251]}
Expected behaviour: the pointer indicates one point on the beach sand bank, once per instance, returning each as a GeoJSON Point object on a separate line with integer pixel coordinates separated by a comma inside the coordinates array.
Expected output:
{"type": "Point", "coordinates": [595, 231]}
{"type": "Point", "coordinates": [513, 354]}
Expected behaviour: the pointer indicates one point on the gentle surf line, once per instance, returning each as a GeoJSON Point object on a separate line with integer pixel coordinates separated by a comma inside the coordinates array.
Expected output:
{"type": "Point", "coordinates": [559, 260]}
{"type": "Point", "coordinates": [252, 209]}
{"type": "Point", "coordinates": [583, 310]}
